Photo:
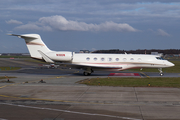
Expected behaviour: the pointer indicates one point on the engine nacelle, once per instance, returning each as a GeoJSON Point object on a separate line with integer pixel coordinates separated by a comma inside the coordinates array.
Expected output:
{"type": "Point", "coordinates": [60, 56]}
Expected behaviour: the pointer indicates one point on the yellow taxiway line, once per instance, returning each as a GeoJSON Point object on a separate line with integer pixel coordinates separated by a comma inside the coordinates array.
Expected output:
{"type": "Point", "coordinates": [145, 75]}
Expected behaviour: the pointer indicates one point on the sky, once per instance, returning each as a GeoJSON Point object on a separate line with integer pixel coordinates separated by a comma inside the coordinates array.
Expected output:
{"type": "Point", "coordinates": [74, 25]}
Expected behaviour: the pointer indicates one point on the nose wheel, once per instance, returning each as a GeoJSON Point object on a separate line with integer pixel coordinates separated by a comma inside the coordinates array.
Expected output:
{"type": "Point", "coordinates": [161, 72]}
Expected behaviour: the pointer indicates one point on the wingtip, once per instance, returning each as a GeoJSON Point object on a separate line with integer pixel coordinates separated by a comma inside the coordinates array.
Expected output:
{"type": "Point", "coordinates": [9, 34]}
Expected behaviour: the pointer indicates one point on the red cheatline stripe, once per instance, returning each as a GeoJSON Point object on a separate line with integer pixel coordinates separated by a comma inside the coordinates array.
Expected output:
{"type": "Point", "coordinates": [124, 74]}
{"type": "Point", "coordinates": [34, 43]}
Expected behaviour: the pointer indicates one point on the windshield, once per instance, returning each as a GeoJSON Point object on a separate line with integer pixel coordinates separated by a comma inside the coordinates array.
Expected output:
{"type": "Point", "coordinates": [159, 58]}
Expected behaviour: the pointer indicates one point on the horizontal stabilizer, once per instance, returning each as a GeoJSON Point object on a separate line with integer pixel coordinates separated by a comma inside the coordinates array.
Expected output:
{"type": "Point", "coordinates": [24, 36]}
{"type": "Point", "coordinates": [45, 57]}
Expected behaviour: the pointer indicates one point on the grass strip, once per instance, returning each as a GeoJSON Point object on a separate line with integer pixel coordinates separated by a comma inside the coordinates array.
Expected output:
{"type": "Point", "coordinates": [14, 56]}
{"type": "Point", "coordinates": [133, 82]}
{"type": "Point", "coordinates": [7, 79]}
{"type": "Point", "coordinates": [9, 68]}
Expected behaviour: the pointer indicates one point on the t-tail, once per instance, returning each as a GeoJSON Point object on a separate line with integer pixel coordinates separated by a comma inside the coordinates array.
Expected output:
{"type": "Point", "coordinates": [39, 50]}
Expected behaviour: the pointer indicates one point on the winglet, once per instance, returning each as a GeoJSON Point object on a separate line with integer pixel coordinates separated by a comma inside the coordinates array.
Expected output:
{"type": "Point", "coordinates": [45, 57]}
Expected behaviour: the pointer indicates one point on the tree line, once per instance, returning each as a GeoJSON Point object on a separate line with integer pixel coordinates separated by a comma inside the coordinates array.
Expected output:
{"type": "Point", "coordinates": [139, 51]}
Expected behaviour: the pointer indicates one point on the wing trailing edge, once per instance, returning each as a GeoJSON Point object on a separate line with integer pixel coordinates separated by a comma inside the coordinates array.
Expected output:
{"type": "Point", "coordinates": [45, 57]}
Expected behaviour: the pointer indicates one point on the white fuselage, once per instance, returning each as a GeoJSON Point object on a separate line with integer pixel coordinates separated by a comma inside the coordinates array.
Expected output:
{"type": "Point", "coordinates": [115, 61]}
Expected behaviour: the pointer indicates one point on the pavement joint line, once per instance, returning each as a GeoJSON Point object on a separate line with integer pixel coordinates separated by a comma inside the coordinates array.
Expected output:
{"type": "Point", "coordinates": [66, 101]}
{"type": "Point", "coordinates": [145, 74]}
{"type": "Point", "coordinates": [51, 100]}
{"type": "Point", "coordinates": [73, 112]}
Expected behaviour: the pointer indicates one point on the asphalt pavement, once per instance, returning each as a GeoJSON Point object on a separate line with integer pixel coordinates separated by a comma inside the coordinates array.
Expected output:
{"type": "Point", "coordinates": [54, 94]}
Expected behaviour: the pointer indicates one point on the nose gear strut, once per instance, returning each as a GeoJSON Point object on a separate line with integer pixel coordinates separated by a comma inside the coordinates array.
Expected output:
{"type": "Point", "coordinates": [160, 72]}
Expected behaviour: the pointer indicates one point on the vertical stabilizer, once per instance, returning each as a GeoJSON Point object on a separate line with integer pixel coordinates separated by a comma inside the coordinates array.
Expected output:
{"type": "Point", "coordinates": [34, 44]}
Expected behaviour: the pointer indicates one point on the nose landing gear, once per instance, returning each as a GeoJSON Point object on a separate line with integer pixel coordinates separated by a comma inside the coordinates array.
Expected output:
{"type": "Point", "coordinates": [161, 72]}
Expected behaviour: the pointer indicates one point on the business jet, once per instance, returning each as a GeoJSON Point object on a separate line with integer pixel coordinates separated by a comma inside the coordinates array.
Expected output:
{"type": "Point", "coordinates": [90, 62]}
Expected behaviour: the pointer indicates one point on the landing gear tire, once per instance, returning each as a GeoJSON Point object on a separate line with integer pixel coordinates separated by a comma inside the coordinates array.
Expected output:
{"type": "Point", "coordinates": [161, 74]}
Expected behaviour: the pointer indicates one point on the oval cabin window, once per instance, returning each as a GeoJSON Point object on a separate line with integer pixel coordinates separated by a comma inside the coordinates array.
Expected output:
{"type": "Point", "coordinates": [102, 59]}
{"type": "Point", "coordinates": [87, 58]}
{"type": "Point", "coordinates": [117, 59]}
{"type": "Point", "coordinates": [95, 59]}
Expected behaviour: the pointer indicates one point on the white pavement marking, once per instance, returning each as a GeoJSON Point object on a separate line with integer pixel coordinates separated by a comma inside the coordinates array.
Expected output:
{"type": "Point", "coordinates": [2, 119]}
{"type": "Point", "coordinates": [67, 111]}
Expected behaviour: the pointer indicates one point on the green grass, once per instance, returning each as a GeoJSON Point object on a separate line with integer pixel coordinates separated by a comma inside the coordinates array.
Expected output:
{"type": "Point", "coordinates": [9, 68]}
{"type": "Point", "coordinates": [133, 82]}
{"type": "Point", "coordinates": [174, 69]}
{"type": "Point", "coordinates": [14, 56]}
{"type": "Point", "coordinates": [7, 79]}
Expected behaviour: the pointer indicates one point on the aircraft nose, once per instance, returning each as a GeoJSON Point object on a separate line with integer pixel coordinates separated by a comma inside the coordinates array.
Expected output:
{"type": "Point", "coordinates": [170, 64]}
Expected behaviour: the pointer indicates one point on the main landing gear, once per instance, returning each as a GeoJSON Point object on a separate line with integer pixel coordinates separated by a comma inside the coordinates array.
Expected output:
{"type": "Point", "coordinates": [88, 72]}
{"type": "Point", "coordinates": [161, 72]}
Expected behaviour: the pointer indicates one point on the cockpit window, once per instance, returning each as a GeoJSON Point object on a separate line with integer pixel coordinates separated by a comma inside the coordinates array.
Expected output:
{"type": "Point", "coordinates": [159, 58]}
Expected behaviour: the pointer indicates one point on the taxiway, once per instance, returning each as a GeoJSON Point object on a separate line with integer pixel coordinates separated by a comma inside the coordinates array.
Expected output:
{"type": "Point", "coordinates": [60, 97]}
